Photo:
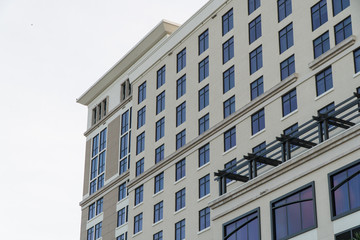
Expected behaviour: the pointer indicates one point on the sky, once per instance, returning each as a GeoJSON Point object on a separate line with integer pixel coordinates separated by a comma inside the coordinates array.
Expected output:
{"type": "Point", "coordinates": [51, 51]}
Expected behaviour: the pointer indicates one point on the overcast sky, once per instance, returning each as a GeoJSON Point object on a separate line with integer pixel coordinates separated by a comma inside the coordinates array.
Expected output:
{"type": "Point", "coordinates": [51, 51]}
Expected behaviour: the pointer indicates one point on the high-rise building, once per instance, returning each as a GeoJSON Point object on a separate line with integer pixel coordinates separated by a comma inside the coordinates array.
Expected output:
{"type": "Point", "coordinates": [242, 123]}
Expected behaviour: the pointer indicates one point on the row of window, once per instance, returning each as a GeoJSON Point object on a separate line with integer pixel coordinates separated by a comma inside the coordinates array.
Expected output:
{"type": "Point", "coordinates": [98, 159]}
{"type": "Point", "coordinates": [125, 139]}
{"type": "Point", "coordinates": [95, 208]}
{"type": "Point", "coordinates": [94, 232]}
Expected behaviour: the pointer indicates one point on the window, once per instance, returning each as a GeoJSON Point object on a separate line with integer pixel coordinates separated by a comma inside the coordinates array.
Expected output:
{"type": "Point", "coordinates": [121, 217]}
{"type": "Point", "coordinates": [158, 236]}
{"type": "Point", "coordinates": [204, 123]}
{"type": "Point", "coordinates": [228, 79]}
{"type": "Point", "coordinates": [142, 92]}
{"type": "Point", "coordinates": [246, 226]}
{"type": "Point", "coordinates": [139, 167]}
{"type": "Point", "coordinates": [125, 90]}
{"type": "Point", "coordinates": [203, 97]}
{"type": "Point", "coordinates": [204, 186]}
{"type": "Point", "coordinates": [159, 183]}
{"type": "Point", "coordinates": [160, 77]}
{"type": "Point", "coordinates": [180, 86]}
{"type": "Point", "coordinates": [91, 213]}
{"type": "Point", "coordinates": [253, 5]}
{"type": "Point", "coordinates": [292, 130]}
{"type": "Point", "coordinates": [259, 150]}
{"type": "Point", "coordinates": [229, 139]}
{"type": "Point", "coordinates": [204, 69]}
{"type": "Point", "coordinates": [99, 206]}
{"type": "Point", "coordinates": [353, 233]}
{"type": "Point", "coordinates": [345, 190]}
{"type": "Point", "coordinates": [321, 44]}
{"type": "Point", "coordinates": [357, 60]}
{"type": "Point", "coordinates": [227, 22]}
{"type": "Point", "coordinates": [204, 218]}
{"type": "Point", "coordinates": [257, 121]}
{"type": "Point", "coordinates": [255, 29]}
{"type": "Point", "coordinates": [98, 228]}
{"type": "Point", "coordinates": [343, 30]}
{"type": "Point", "coordinates": [231, 164]}
{"type": "Point", "coordinates": [158, 212]}
{"type": "Point", "coordinates": [124, 146]}
{"type": "Point", "coordinates": [204, 41]}
{"type": "Point", "coordinates": [284, 9]}
{"type": "Point", "coordinates": [97, 168]}
{"type": "Point", "coordinates": [123, 166]}
{"type": "Point", "coordinates": [181, 60]}
{"type": "Point", "coordinates": [228, 50]}
{"type": "Point", "coordinates": [319, 14]}
{"type": "Point", "coordinates": [229, 106]}
{"type": "Point", "coordinates": [160, 102]}
{"type": "Point", "coordinates": [256, 60]}
{"type": "Point", "coordinates": [141, 117]}
{"type": "Point", "coordinates": [294, 213]}
{"type": "Point", "coordinates": [180, 230]}
{"type": "Point", "coordinates": [99, 111]}
{"type": "Point", "coordinates": [138, 223]}
{"type": "Point", "coordinates": [180, 170]}
{"type": "Point", "coordinates": [90, 233]}
{"type": "Point", "coordinates": [287, 67]}
{"type": "Point", "coordinates": [180, 139]}
{"type": "Point", "coordinates": [324, 81]}
{"type": "Point", "coordinates": [289, 102]}
{"type": "Point", "coordinates": [124, 122]}
{"type": "Point", "coordinates": [139, 195]}
{"type": "Point", "coordinates": [122, 192]}
{"type": "Point", "coordinates": [140, 143]}
{"type": "Point", "coordinates": [204, 155]}
{"type": "Point", "coordinates": [159, 153]}
{"type": "Point", "coordinates": [339, 5]}
{"type": "Point", "coordinates": [257, 88]}
{"type": "Point", "coordinates": [160, 129]}
{"type": "Point", "coordinates": [122, 236]}
{"type": "Point", "coordinates": [180, 199]}
{"type": "Point", "coordinates": [330, 108]}
{"type": "Point", "coordinates": [286, 39]}
{"type": "Point", "coordinates": [181, 114]}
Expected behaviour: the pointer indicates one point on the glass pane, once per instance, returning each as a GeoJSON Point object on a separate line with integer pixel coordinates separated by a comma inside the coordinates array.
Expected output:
{"type": "Point", "coordinates": [280, 223]}
{"type": "Point", "coordinates": [341, 194]}
{"type": "Point", "coordinates": [294, 218]}
{"type": "Point", "coordinates": [354, 188]}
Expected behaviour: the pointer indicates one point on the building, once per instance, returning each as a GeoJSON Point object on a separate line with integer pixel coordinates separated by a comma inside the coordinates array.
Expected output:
{"type": "Point", "coordinates": [265, 94]}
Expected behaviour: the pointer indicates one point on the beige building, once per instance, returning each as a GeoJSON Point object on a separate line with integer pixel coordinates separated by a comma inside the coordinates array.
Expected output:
{"type": "Point", "coordinates": [265, 94]}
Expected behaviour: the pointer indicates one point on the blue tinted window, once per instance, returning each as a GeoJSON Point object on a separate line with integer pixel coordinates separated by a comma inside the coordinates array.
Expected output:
{"type": "Point", "coordinates": [141, 117]}
{"type": "Point", "coordinates": [159, 183]}
{"type": "Point", "coordinates": [138, 223]}
{"type": "Point", "coordinates": [180, 230]}
{"type": "Point", "coordinates": [324, 81]}
{"type": "Point", "coordinates": [180, 170]}
{"type": "Point", "coordinates": [180, 86]}
{"type": "Point", "coordinates": [94, 165]}
{"type": "Point", "coordinates": [124, 146]}
{"type": "Point", "coordinates": [250, 227]}
{"type": "Point", "coordinates": [289, 102]}
{"type": "Point", "coordinates": [229, 139]}
{"type": "Point", "coordinates": [160, 102]}
{"type": "Point", "coordinates": [158, 236]}
{"type": "Point", "coordinates": [257, 88]}
{"type": "Point", "coordinates": [98, 230]}
{"type": "Point", "coordinates": [204, 123]}
{"type": "Point", "coordinates": [255, 29]}
{"type": "Point", "coordinates": [101, 162]}
{"type": "Point", "coordinates": [95, 145]}
{"type": "Point", "coordinates": [357, 60]}
{"type": "Point", "coordinates": [90, 234]}
{"type": "Point", "coordinates": [122, 191]}
{"type": "Point", "coordinates": [123, 166]}
{"type": "Point", "coordinates": [319, 14]}
{"type": "Point", "coordinates": [140, 143]}
{"type": "Point", "coordinates": [204, 69]}
{"type": "Point", "coordinates": [228, 50]}
{"type": "Point", "coordinates": [227, 22]}
{"type": "Point", "coordinates": [287, 67]}
{"type": "Point", "coordinates": [180, 199]}
{"type": "Point", "coordinates": [124, 122]}
{"type": "Point", "coordinates": [259, 149]}
{"type": "Point", "coordinates": [181, 60]}
{"type": "Point", "coordinates": [253, 5]}
{"type": "Point", "coordinates": [92, 187]}
{"type": "Point", "coordinates": [160, 77]}
{"type": "Point", "coordinates": [142, 92]}
{"type": "Point", "coordinates": [204, 155]}
{"type": "Point", "coordinates": [203, 97]}
{"type": "Point", "coordinates": [100, 181]}
{"type": "Point", "coordinates": [158, 212]}
{"type": "Point", "coordinates": [121, 217]}
{"type": "Point", "coordinates": [229, 106]}
{"type": "Point", "coordinates": [160, 129]}
{"type": "Point", "coordinates": [286, 38]}
{"type": "Point", "coordinates": [103, 139]}
{"type": "Point", "coordinates": [256, 60]}
{"type": "Point", "coordinates": [139, 195]}
{"type": "Point", "coordinates": [284, 9]}
{"type": "Point", "coordinates": [321, 44]}
{"type": "Point", "coordinates": [258, 121]}
{"type": "Point", "coordinates": [91, 211]}
{"type": "Point", "coordinates": [291, 131]}
{"type": "Point", "coordinates": [339, 5]}
{"type": "Point", "coordinates": [180, 139]}
{"type": "Point", "coordinates": [139, 167]}
{"type": "Point", "coordinates": [159, 153]}
{"type": "Point", "coordinates": [204, 218]}
{"type": "Point", "coordinates": [228, 79]}
{"type": "Point", "coordinates": [343, 30]}
{"type": "Point", "coordinates": [99, 206]}
{"type": "Point", "coordinates": [230, 165]}
{"type": "Point", "coordinates": [203, 41]}
{"type": "Point", "coordinates": [181, 114]}
{"type": "Point", "coordinates": [204, 186]}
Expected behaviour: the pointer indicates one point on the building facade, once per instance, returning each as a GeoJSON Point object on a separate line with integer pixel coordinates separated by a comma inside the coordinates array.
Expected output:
{"type": "Point", "coordinates": [242, 123]}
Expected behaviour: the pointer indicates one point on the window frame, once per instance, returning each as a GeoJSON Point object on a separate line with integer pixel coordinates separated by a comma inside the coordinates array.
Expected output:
{"type": "Point", "coordinates": [158, 212]}
{"type": "Point", "coordinates": [159, 151]}
{"type": "Point", "coordinates": [140, 143]}
{"type": "Point", "coordinates": [160, 102]}
{"type": "Point", "coordinates": [180, 139]}
{"type": "Point", "coordinates": [180, 167]}
{"type": "Point", "coordinates": [320, 6]}
{"type": "Point", "coordinates": [228, 79]}
{"type": "Point", "coordinates": [181, 86]}
{"type": "Point", "coordinates": [323, 79]}
{"type": "Point", "coordinates": [255, 28]}
{"type": "Point", "coordinates": [228, 50]}
{"type": "Point", "coordinates": [203, 97]}
{"type": "Point", "coordinates": [256, 55]}
{"type": "Point", "coordinates": [181, 228]}
{"type": "Point", "coordinates": [138, 223]}
{"type": "Point", "coordinates": [204, 186]}
{"type": "Point", "coordinates": [204, 123]}
{"type": "Point", "coordinates": [322, 42]}
{"type": "Point", "coordinates": [160, 129]}
{"type": "Point", "coordinates": [160, 77]}
{"type": "Point", "coordinates": [258, 117]}
{"type": "Point", "coordinates": [159, 182]}
{"type": "Point", "coordinates": [289, 95]}
{"type": "Point", "coordinates": [259, 88]}
{"type": "Point", "coordinates": [256, 4]}
{"type": "Point", "coordinates": [204, 155]}
{"type": "Point", "coordinates": [181, 60]}
{"type": "Point", "coordinates": [287, 34]}
{"type": "Point", "coordinates": [342, 30]}
{"type": "Point", "coordinates": [356, 60]}
{"type": "Point", "coordinates": [285, 2]}
{"type": "Point", "coordinates": [203, 42]}
{"type": "Point", "coordinates": [139, 195]}
{"type": "Point", "coordinates": [205, 217]}
{"type": "Point", "coordinates": [204, 69]}
{"type": "Point", "coordinates": [342, 7]}
{"type": "Point", "coordinates": [181, 197]}
{"type": "Point", "coordinates": [232, 142]}
{"type": "Point", "coordinates": [142, 92]}
{"type": "Point", "coordinates": [228, 21]}
{"type": "Point", "coordinates": [229, 106]}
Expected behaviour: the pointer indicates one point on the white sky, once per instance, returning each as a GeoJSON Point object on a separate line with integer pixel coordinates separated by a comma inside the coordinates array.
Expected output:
{"type": "Point", "coordinates": [51, 51]}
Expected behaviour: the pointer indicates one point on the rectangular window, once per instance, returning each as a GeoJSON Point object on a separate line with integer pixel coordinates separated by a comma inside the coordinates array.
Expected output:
{"type": "Point", "coordinates": [289, 102]}
{"type": "Point", "coordinates": [246, 226]}
{"type": "Point", "coordinates": [139, 167]}
{"type": "Point", "coordinates": [204, 41]}
{"type": "Point", "coordinates": [257, 121]}
{"type": "Point", "coordinates": [344, 186]}
{"type": "Point", "coordinates": [180, 139]}
{"type": "Point", "coordinates": [159, 153]}
{"type": "Point", "coordinates": [231, 164]}
{"type": "Point", "coordinates": [353, 233]}
{"type": "Point", "coordinates": [142, 92]}
{"type": "Point", "coordinates": [160, 102]}
{"type": "Point", "coordinates": [180, 114]}
{"type": "Point", "coordinates": [343, 30]}
{"type": "Point", "coordinates": [100, 181]}
{"type": "Point", "coordinates": [204, 123]}
{"type": "Point", "coordinates": [257, 88]}
{"type": "Point", "coordinates": [229, 139]}
{"type": "Point", "coordinates": [159, 183]}
{"type": "Point", "coordinates": [255, 29]}
{"type": "Point", "coordinates": [124, 146]}
{"type": "Point", "coordinates": [286, 38]}
{"type": "Point", "coordinates": [321, 44]}
{"type": "Point", "coordinates": [203, 97]}
{"type": "Point", "coordinates": [121, 217]}
{"type": "Point", "coordinates": [256, 60]}
{"type": "Point", "coordinates": [140, 143]}
{"type": "Point", "coordinates": [204, 186]}
{"type": "Point", "coordinates": [181, 60]}
{"type": "Point", "coordinates": [324, 81]}
{"type": "Point", "coordinates": [204, 69]}
{"type": "Point", "coordinates": [229, 106]}
{"type": "Point", "coordinates": [228, 50]}
{"type": "Point", "coordinates": [139, 195]}
{"type": "Point", "coordinates": [158, 236]}
{"type": "Point", "coordinates": [160, 129]}
{"type": "Point", "coordinates": [103, 139]}
{"type": "Point", "coordinates": [122, 236]}
{"type": "Point", "coordinates": [180, 230]}
{"type": "Point", "coordinates": [227, 22]}
{"type": "Point", "coordinates": [124, 122]}
{"type": "Point", "coordinates": [180, 199]}
{"type": "Point", "coordinates": [290, 131]}
{"type": "Point", "coordinates": [253, 5]}
{"type": "Point", "coordinates": [204, 155]}
{"type": "Point", "coordinates": [330, 108]}
{"type": "Point", "coordinates": [357, 60]}
{"type": "Point", "coordinates": [259, 149]}
{"type": "Point", "coordinates": [122, 191]}
{"type": "Point", "coordinates": [287, 67]}
{"type": "Point", "coordinates": [284, 9]}
{"type": "Point", "coordinates": [180, 170]}
{"type": "Point", "coordinates": [339, 5]}
{"type": "Point", "coordinates": [160, 77]}
{"type": "Point", "coordinates": [123, 166]}
{"type": "Point", "coordinates": [228, 79]}
{"type": "Point", "coordinates": [99, 206]}
{"type": "Point", "coordinates": [319, 14]}
{"type": "Point", "coordinates": [91, 213]}
{"type": "Point", "coordinates": [180, 87]}
{"type": "Point", "coordinates": [98, 162]}
{"type": "Point", "coordinates": [138, 223]}
{"type": "Point", "coordinates": [158, 212]}
{"type": "Point", "coordinates": [204, 218]}
{"type": "Point", "coordinates": [90, 233]}
{"type": "Point", "coordinates": [95, 145]}
{"type": "Point", "coordinates": [294, 213]}
{"type": "Point", "coordinates": [141, 117]}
